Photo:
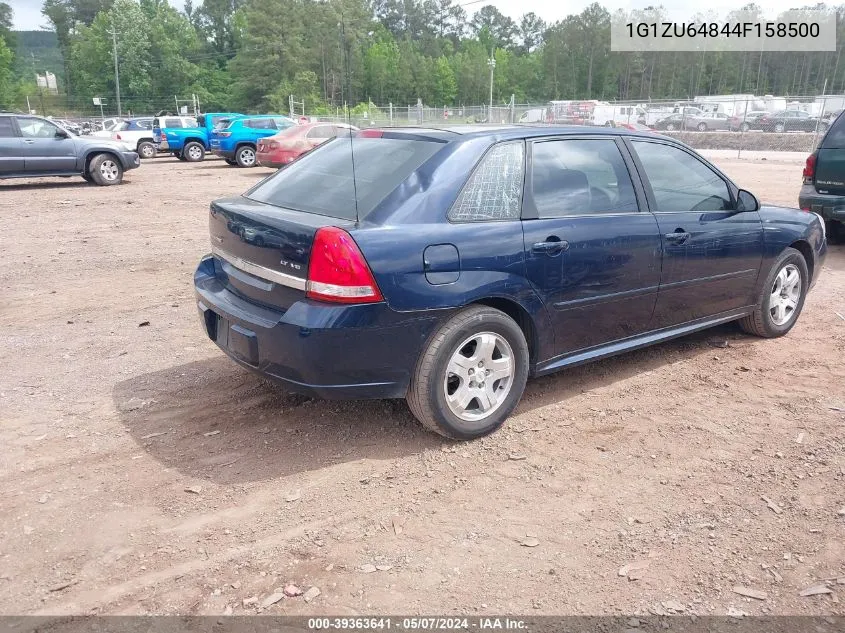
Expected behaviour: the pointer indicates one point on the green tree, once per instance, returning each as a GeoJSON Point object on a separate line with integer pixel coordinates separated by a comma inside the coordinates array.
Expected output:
{"type": "Point", "coordinates": [6, 79]}
{"type": "Point", "coordinates": [445, 88]}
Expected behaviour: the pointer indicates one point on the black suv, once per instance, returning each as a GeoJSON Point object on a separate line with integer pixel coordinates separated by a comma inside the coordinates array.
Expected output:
{"type": "Point", "coordinates": [32, 146]}
{"type": "Point", "coordinates": [823, 191]}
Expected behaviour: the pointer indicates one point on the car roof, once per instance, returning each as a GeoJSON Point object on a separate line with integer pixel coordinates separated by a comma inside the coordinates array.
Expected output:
{"type": "Point", "coordinates": [514, 132]}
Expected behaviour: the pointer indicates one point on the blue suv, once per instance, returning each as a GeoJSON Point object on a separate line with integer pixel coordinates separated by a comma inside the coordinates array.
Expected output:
{"type": "Point", "coordinates": [237, 142]}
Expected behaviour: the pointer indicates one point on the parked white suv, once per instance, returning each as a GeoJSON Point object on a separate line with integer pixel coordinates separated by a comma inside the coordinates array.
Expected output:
{"type": "Point", "coordinates": [137, 134]}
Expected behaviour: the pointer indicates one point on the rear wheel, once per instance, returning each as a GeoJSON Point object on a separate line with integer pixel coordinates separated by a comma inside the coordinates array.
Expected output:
{"type": "Point", "coordinates": [670, 127]}
{"type": "Point", "coordinates": [105, 170]}
{"type": "Point", "coordinates": [193, 152]}
{"type": "Point", "coordinates": [702, 127]}
{"type": "Point", "coordinates": [245, 156]}
{"type": "Point", "coordinates": [471, 374]}
{"type": "Point", "coordinates": [744, 127]}
{"type": "Point", "coordinates": [781, 297]}
{"type": "Point", "coordinates": [146, 149]}
{"type": "Point", "coordinates": [780, 127]}
{"type": "Point", "coordinates": [231, 161]}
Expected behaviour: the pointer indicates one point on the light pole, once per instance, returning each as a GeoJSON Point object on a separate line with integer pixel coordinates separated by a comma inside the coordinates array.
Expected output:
{"type": "Point", "coordinates": [492, 63]}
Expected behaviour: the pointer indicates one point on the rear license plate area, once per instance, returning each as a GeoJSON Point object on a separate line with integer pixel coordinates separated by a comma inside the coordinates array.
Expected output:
{"type": "Point", "coordinates": [238, 341]}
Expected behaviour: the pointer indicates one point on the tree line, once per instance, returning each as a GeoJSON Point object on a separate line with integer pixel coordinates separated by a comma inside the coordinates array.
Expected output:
{"type": "Point", "coordinates": [251, 55]}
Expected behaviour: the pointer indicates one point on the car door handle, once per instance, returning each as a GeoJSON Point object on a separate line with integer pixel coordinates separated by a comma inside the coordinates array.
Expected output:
{"type": "Point", "coordinates": [28, 141]}
{"type": "Point", "coordinates": [551, 247]}
{"type": "Point", "coordinates": [678, 237]}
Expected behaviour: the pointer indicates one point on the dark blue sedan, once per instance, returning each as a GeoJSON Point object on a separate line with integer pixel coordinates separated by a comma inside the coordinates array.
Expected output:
{"type": "Point", "coordinates": [448, 266]}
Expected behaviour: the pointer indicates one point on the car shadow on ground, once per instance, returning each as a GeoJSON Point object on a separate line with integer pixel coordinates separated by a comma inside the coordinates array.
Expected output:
{"type": "Point", "coordinates": [26, 185]}
{"type": "Point", "coordinates": [212, 419]}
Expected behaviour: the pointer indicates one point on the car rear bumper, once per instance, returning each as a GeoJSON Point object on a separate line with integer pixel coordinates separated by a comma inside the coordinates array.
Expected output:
{"type": "Point", "coordinates": [274, 159]}
{"type": "Point", "coordinates": [319, 349]}
{"type": "Point", "coordinates": [829, 207]}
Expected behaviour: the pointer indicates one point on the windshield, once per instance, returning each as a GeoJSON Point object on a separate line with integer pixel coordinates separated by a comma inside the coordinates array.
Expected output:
{"type": "Point", "coordinates": [321, 182]}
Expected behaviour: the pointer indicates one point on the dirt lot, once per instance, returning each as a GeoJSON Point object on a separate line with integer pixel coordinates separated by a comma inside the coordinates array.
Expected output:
{"type": "Point", "coordinates": [143, 472]}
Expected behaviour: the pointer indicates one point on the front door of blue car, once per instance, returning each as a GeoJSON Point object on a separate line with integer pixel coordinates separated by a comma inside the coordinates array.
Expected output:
{"type": "Point", "coordinates": [591, 253]}
{"type": "Point", "coordinates": [711, 251]}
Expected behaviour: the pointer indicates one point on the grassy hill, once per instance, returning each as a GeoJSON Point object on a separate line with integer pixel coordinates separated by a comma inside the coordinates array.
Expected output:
{"type": "Point", "coordinates": [37, 51]}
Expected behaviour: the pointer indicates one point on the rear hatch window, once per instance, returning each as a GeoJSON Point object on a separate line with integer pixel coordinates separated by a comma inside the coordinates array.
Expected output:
{"type": "Point", "coordinates": [830, 164]}
{"type": "Point", "coordinates": [327, 182]}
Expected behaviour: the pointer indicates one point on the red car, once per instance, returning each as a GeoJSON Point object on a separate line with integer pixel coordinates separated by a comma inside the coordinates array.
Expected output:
{"type": "Point", "coordinates": [289, 144]}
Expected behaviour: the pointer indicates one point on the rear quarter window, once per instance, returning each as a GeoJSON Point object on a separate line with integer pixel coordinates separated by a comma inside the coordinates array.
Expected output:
{"type": "Point", "coordinates": [494, 190]}
{"type": "Point", "coordinates": [835, 137]}
{"type": "Point", "coordinates": [324, 181]}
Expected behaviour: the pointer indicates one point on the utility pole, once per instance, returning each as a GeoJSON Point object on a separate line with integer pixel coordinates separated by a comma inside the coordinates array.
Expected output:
{"type": "Point", "coordinates": [116, 71]}
{"type": "Point", "coordinates": [492, 63]}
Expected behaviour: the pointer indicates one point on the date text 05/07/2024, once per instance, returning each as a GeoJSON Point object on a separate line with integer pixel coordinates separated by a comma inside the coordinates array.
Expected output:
{"type": "Point", "coordinates": [417, 624]}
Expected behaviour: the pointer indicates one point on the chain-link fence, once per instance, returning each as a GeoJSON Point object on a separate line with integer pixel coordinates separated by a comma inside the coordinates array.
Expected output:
{"type": "Point", "coordinates": [734, 124]}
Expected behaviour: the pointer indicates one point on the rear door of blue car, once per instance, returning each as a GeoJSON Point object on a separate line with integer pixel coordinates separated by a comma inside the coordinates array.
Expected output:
{"type": "Point", "coordinates": [592, 249]}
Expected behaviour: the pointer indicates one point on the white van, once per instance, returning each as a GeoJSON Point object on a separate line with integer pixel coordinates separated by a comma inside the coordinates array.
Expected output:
{"type": "Point", "coordinates": [609, 115]}
{"type": "Point", "coordinates": [534, 115]}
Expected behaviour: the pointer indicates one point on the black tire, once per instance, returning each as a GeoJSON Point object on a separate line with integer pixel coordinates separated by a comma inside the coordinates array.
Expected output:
{"type": "Point", "coordinates": [744, 127]}
{"type": "Point", "coordinates": [87, 177]}
{"type": "Point", "coordinates": [146, 149]}
{"type": "Point", "coordinates": [193, 152]}
{"type": "Point", "coordinates": [231, 161]}
{"type": "Point", "coordinates": [670, 127]}
{"type": "Point", "coordinates": [702, 127]}
{"type": "Point", "coordinates": [105, 170]}
{"type": "Point", "coordinates": [779, 128]}
{"type": "Point", "coordinates": [245, 156]}
{"type": "Point", "coordinates": [761, 322]}
{"type": "Point", "coordinates": [427, 393]}
{"type": "Point", "coordinates": [179, 156]}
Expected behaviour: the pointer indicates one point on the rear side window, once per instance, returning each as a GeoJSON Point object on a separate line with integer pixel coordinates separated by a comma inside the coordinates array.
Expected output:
{"type": "Point", "coordinates": [574, 177]}
{"type": "Point", "coordinates": [494, 190]}
{"type": "Point", "coordinates": [260, 124]}
{"type": "Point", "coordinates": [681, 182]}
{"type": "Point", "coordinates": [322, 182]}
{"type": "Point", "coordinates": [172, 122]}
{"type": "Point", "coordinates": [321, 132]}
{"type": "Point", "coordinates": [7, 130]}
{"type": "Point", "coordinates": [835, 137]}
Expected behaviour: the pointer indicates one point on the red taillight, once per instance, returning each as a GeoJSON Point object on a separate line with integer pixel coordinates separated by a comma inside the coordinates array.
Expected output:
{"type": "Point", "coordinates": [370, 134]}
{"type": "Point", "coordinates": [274, 145]}
{"type": "Point", "coordinates": [810, 169]}
{"type": "Point", "coordinates": [117, 137]}
{"type": "Point", "coordinates": [338, 271]}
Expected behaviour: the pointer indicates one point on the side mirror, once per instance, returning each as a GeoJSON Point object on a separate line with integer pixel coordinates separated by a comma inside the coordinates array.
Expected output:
{"type": "Point", "coordinates": [746, 201]}
{"type": "Point", "coordinates": [61, 134]}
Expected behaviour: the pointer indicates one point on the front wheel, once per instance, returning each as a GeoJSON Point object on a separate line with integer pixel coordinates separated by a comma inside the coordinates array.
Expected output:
{"type": "Point", "coordinates": [470, 375]}
{"type": "Point", "coordinates": [105, 170]}
{"type": "Point", "coordinates": [744, 127]}
{"type": "Point", "coordinates": [780, 127]}
{"type": "Point", "coordinates": [245, 156]}
{"type": "Point", "coordinates": [670, 127]}
{"type": "Point", "coordinates": [781, 297]}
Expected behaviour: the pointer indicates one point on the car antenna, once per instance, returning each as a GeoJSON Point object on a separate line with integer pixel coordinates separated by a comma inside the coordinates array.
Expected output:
{"type": "Point", "coordinates": [348, 112]}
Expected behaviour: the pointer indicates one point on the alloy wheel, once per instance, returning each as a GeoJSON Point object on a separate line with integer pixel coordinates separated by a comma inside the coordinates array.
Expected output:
{"type": "Point", "coordinates": [786, 293]}
{"type": "Point", "coordinates": [479, 376]}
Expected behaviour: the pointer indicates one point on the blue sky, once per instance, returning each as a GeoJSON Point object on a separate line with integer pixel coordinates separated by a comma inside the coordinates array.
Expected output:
{"type": "Point", "coordinates": [28, 12]}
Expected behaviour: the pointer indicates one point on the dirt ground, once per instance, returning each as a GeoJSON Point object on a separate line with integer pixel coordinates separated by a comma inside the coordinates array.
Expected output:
{"type": "Point", "coordinates": [144, 472]}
